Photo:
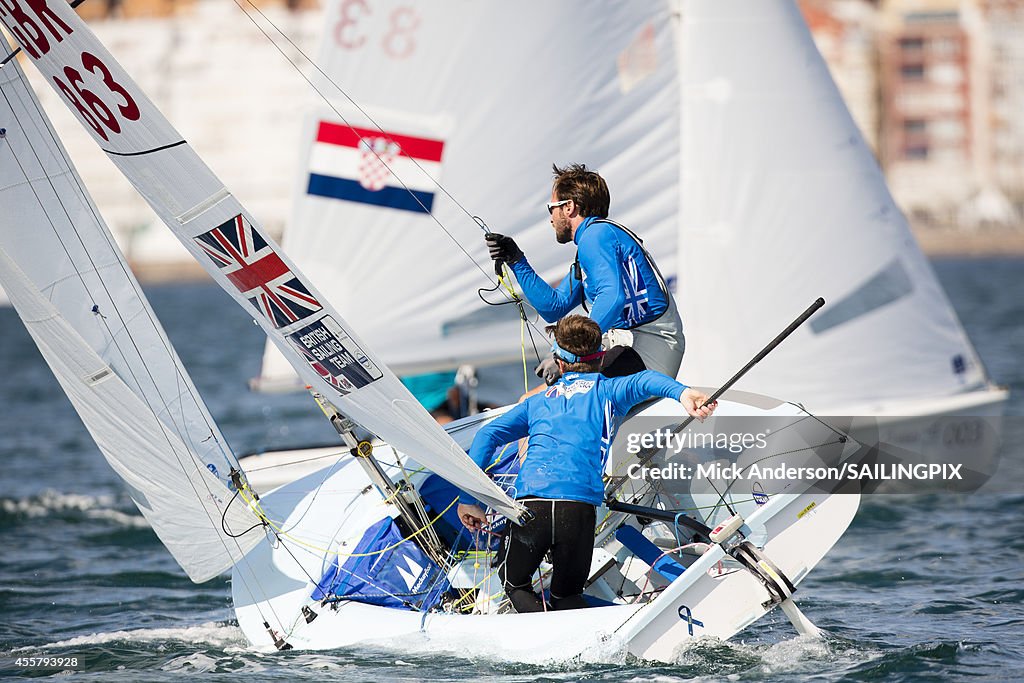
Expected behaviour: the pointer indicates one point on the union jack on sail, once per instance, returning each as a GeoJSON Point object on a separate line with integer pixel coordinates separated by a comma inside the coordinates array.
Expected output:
{"type": "Point", "coordinates": [252, 265]}
{"type": "Point", "coordinates": [339, 382]}
{"type": "Point", "coordinates": [334, 355]}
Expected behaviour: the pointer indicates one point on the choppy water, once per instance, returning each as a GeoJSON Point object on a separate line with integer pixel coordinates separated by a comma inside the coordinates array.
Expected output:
{"type": "Point", "coordinates": [924, 587]}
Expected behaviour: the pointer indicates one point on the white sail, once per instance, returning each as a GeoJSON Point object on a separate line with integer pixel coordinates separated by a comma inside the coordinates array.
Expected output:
{"type": "Point", "coordinates": [227, 241]}
{"type": "Point", "coordinates": [741, 168]}
{"type": "Point", "coordinates": [92, 324]}
{"type": "Point", "coordinates": [782, 201]}
{"type": "Point", "coordinates": [487, 96]}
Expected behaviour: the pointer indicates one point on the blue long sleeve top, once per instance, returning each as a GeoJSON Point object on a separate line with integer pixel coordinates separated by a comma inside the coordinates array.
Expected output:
{"type": "Point", "coordinates": [570, 427]}
{"type": "Point", "coordinates": [617, 279]}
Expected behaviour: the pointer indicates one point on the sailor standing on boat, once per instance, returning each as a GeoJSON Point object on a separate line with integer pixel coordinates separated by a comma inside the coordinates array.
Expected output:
{"type": "Point", "coordinates": [570, 428]}
{"type": "Point", "coordinates": [613, 271]}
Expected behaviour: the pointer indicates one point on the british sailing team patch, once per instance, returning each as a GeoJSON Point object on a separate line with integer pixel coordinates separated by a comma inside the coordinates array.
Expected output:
{"type": "Point", "coordinates": [249, 262]}
{"type": "Point", "coordinates": [380, 168]}
{"type": "Point", "coordinates": [334, 355]}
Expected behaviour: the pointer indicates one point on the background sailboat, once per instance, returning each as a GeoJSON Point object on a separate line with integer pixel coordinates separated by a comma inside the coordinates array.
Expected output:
{"type": "Point", "coordinates": [727, 147]}
{"type": "Point", "coordinates": [780, 196]}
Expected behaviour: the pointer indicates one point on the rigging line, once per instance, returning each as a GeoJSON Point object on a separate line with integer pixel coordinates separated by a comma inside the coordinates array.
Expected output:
{"type": "Point", "coordinates": [330, 104]}
{"type": "Point", "coordinates": [47, 128]}
{"type": "Point", "coordinates": [296, 560]}
{"type": "Point", "coordinates": [524, 322]}
{"type": "Point", "coordinates": [418, 505]}
{"type": "Point", "coordinates": [843, 438]}
{"type": "Point", "coordinates": [777, 455]}
{"type": "Point", "coordinates": [282, 534]}
{"type": "Point", "coordinates": [224, 517]}
{"type": "Point", "coordinates": [319, 487]}
{"type": "Point", "coordinates": [337, 456]}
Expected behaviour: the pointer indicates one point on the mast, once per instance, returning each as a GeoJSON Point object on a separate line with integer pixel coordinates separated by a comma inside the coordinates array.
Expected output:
{"type": "Point", "coordinates": [412, 520]}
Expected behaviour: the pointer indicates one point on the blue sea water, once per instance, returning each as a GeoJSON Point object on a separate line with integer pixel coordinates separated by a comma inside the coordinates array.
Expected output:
{"type": "Point", "coordinates": [926, 587]}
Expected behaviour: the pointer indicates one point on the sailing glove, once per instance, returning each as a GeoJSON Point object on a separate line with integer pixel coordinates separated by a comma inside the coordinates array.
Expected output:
{"type": "Point", "coordinates": [548, 371]}
{"type": "Point", "coordinates": [502, 248]}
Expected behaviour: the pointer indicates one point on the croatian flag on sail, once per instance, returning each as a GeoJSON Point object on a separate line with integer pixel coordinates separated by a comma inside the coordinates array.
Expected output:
{"type": "Point", "coordinates": [386, 169]}
{"type": "Point", "coordinates": [251, 265]}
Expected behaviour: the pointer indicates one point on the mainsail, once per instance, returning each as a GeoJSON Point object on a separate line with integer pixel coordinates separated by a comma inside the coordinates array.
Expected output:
{"type": "Point", "coordinates": [89, 318]}
{"type": "Point", "coordinates": [229, 243]}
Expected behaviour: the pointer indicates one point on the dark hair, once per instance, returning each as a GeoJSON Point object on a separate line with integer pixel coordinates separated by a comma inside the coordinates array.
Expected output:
{"type": "Point", "coordinates": [586, 188]}
{"type": "Point", "coordinates": [580, 335]}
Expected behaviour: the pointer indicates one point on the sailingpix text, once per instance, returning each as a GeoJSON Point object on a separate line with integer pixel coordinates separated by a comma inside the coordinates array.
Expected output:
{"type": "Point", "coordinates": [667, 440]}
{"type": "Point", "coordinates": [758, 472]}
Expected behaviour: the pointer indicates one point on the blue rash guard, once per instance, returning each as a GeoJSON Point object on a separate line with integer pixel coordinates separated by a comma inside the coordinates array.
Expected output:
{"type": "Point", "coordinates": [571, 427]}
{"type": "Point", "coordinates": [617, 279]}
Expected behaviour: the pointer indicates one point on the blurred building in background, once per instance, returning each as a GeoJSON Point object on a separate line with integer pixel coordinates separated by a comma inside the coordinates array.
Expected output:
{"type": "Point", "coordinates": [937, 87]}
{"type": "Point", "coordinates": [844, 31]}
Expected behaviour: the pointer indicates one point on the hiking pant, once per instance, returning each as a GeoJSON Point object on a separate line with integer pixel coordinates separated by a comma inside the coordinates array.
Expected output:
{"type": "Point", "coordinates": [564, 527]}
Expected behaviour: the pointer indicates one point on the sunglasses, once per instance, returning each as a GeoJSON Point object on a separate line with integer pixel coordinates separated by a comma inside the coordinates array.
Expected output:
{"type": "Point", "coordinates": [554, 205]}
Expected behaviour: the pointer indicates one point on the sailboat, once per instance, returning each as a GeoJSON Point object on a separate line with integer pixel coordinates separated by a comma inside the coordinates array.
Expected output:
{"type": "Point", "coordinates": [359, 551]}
{"type": "Point", "coordinates": [727, 147]}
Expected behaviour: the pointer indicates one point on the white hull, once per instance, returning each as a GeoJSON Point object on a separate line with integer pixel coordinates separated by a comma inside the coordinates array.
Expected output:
{"type": "Point", "coordinates": [963, 429]}
{"type": "Point", "coordinates": [723, 605]}
{"type": "Point", "coordinates": [274, 584]}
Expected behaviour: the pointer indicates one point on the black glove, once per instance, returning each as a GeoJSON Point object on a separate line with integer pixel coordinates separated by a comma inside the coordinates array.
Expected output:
{"type": "Point", "coordinates": [502, 248]}
{"type": "Point", "coordinates": [548, 371]}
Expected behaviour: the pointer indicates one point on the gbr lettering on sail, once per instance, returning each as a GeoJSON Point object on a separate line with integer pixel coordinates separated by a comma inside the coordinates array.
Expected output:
{"type": "Point", "coordinates": [95, 87]}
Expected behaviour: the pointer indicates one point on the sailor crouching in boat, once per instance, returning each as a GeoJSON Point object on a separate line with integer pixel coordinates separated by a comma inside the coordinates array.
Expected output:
{"type": "Point", "coordinates": [570, 428]}
{"type": "Point", "coordinates": [628, 298]}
